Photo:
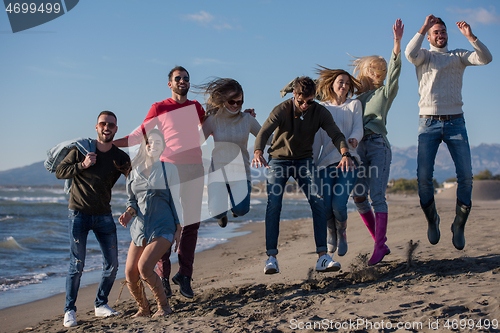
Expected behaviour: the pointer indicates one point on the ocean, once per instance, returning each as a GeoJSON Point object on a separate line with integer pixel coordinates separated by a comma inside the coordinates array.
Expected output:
{"type": "Point", "coordinates": [34, 241]}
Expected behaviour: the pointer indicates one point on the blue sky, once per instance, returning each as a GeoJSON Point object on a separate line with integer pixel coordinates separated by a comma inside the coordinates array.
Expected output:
{"type": "Point", "coordinates": [115, 55]}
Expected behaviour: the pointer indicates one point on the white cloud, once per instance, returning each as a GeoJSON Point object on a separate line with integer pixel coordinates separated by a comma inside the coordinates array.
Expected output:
{"type": "Point", "coordinates": [477, 15]}
{"type": "Point", "coordinates": [202, 17]}
{"type": "Point", "coordinates": [208, 20]}
{"type": "Point", "coordinates": [223, 26]}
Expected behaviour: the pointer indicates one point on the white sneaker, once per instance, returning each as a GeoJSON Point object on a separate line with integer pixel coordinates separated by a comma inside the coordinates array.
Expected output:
{"type": "Point", "coordinates": [105, 311]}
{"type": "Point", "coordinates": [325, 263]}
{"type": "Point", "coordinates": [271, 266]}
{"type": "Point", "coordinates": [70, 318]}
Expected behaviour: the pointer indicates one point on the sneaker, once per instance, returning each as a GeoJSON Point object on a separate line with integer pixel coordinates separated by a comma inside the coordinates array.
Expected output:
{"type": "Point", "coordinates": [325, 263]}
{"type": "Point", "coordinates": [222, 221]}
{"type": "Point", "coordinates": [70, 318]}
{"type": "Point", "coordinates": [271, 266]}
{"type": "Point", "coordinates": [105, 311]}
{"type": "Point", "coordinates": [184, 283]}
{"type": "Point", "coordinates": [234, 215]}
{"type": "Point", "coordinates": [166, 286]}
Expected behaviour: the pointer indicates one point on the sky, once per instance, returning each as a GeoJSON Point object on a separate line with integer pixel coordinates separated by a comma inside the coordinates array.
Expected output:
{"type": "Point", "coordinates": [115, 55]}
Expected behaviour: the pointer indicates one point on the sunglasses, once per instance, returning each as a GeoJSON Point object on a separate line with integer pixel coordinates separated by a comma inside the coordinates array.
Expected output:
{"type": "Point", "coordinates": [178, 78]}
{"type": "Point", "coordinates": [233, 102]}
{"type": "Point", "coordinates": [103, 124]}
{"type": "Point", "coordinates": [309, 102]}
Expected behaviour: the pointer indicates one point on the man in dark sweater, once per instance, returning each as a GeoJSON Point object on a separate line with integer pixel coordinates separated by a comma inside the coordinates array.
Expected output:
{"type": "Point", "coordinates": [295, 123]}
{"type": "Point", "coordinates": [89, 209]}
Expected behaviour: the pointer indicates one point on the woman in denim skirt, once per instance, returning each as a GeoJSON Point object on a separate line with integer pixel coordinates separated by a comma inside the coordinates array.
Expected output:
{"type": "Point", "coordinates": [153, 190]}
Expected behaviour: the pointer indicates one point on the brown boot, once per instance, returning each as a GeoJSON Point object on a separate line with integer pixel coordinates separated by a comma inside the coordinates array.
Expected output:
{"type": "Point", "coordinates": [156, 286]}
{"type": "Point", "coordinates": [137, 290]}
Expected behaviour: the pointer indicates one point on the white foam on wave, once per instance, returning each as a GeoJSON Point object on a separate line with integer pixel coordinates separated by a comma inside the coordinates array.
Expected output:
{"type": "Point", "coordinates": [25, 199]}
{"type": "Point", "coordinates": [11, 243]}
{"type": "Point", "coordinates": [14, 283]}
{"type": "Point", "coordinates": [205, 243]}
{"type": "Point", "coordinates": [8, 217]}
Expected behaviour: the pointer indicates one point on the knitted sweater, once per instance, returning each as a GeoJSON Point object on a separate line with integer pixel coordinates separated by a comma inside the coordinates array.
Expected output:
{"type": "Point", "coordinates": [294, 137]}
{"type": "Point", "coordinates": [376, 103]}
{"type": "Point", "coordinates": [440, 74]}
{"type": "Point", "coordinates": [349, 119]}
{"type": "Point", "coordinates": [230, 132]}
{"type": "Point", "coordinates": [91, 189]}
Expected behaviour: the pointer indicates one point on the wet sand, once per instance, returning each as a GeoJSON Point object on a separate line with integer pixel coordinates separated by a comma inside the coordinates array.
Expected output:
{"type": "Point", "coordinates": [434, 286]}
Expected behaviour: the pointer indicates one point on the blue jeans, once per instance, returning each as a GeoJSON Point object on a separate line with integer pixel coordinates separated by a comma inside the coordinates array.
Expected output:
{"type": "Point", "coordinates": [373, 173]}
{"type": "Point", "coordinates": [336, 186]}
{"type": "Point", "coordinates": [105, 231]}
{"type": "Point", "coordinates": [303, 172]}
{"type": "Point", "coordinates": [238, 193]}
{"type": "Point", "coordinates": [430, 134]}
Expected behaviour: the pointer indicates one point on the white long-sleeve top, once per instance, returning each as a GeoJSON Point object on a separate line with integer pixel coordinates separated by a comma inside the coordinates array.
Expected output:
{"type": "Point", "coordinates": [349, 119]}
{"type": "Point", "coordinates": [440, 74]}
{"type": "Point", "coordinates": [230, 132]}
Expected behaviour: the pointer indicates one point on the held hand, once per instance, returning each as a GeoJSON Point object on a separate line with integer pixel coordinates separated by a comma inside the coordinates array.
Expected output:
{"type": "Point", "coordinates": [466, 30]}
{"type": "Point", "coordinates": [89, 160]}
{"type": "Point", "coordinates": [124, 219]}
{"type": "Point", "coordinates": [177, 237]}
{"type": "Point", "coordinates": [346, 163]}
{"type": "Point", "coordinates": [251, 112]}
{"type": "Point", "coordinates": [353, 142]}
{"type": "Point", "coordinates": [258, 160]}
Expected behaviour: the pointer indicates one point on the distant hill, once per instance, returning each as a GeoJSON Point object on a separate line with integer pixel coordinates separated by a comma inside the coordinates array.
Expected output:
{"type": "Point", "coordinates": [404, 165]}
{"type": "Point", "coordinates": [404, 161]}
{"type": "Point", "coordinates": [33, 175]}
{"type": "Point", "coordinates": [30, 175]}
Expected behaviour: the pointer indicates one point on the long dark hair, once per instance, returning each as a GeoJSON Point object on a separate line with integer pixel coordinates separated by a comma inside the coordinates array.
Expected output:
{"type": "Point", "coordinates": [218, 91]}
{"type": "Point", "coordinates": [142, 156]}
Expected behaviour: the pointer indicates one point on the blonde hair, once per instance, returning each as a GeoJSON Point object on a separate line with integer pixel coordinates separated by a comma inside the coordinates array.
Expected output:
{"type": "Point", "coordinates": [327, 76]}
{"type": "Point", "coordinates": [362, 68]}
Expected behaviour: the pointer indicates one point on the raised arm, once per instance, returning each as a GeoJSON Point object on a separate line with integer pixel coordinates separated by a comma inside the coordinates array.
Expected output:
{"type": "Point", "coordinates": [414, 52]}
{"type": "Point", "coordinates": [429, 22]}
{"type": "Point", "coordinates": [136, 136]}
{"type": "Point", "coordinates": [466, 30]}
{"type": "Point", "coordinates": [481, 54]}
{"type": "Point", "coordinates": [397, 30]}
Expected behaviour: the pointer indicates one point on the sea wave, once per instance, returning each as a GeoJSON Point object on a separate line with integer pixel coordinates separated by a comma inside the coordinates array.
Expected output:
{"type": "Point", "coordinates": [11, 243]}
{"type": "Point", "coordinates": [20, 281]}
{"type": "Point", "coordinates": [44, 199]}
{"type": "Point", "coordinates": [5, 218]}
{"type": "Point", "coordinates": [205, 243]}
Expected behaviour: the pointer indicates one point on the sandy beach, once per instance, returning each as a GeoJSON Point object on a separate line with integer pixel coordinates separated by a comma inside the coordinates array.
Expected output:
{"type": "Point", "coordinates": [437, 288]}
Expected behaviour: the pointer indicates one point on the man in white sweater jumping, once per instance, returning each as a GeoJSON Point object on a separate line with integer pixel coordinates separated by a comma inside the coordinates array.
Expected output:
{"type": "Point", "coordinates": [440, 73]}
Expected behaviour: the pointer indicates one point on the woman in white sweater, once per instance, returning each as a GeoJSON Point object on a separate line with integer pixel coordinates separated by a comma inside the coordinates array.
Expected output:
{"type": "Point", "coordinates": [229, 176]}
{"type": "Point", "coordinates": [334, 87]}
